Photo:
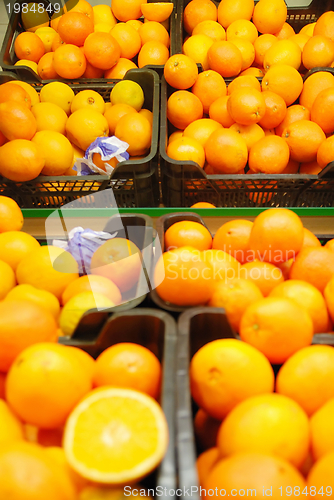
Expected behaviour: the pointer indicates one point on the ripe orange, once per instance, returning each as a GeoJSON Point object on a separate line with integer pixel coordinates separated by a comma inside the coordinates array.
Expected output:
{"type": "Point", "coordinates": [232, 10]}
{"type": "Point", "coordinates": [313, 85]}
{"type": "Point", "coordinates": [20, 152]}
{"type": "Point", "coordinates": [56, 43]}
{"type": "Point", "coordinates": [300, 39]}
{"type": "Point", "coordinates": [277, 235]}
{"type": "Point", "coordinates": [320, 112]}
{"type": "Point", "coordinates": [269, 155]}
{"type": "Point", "coordinates": [29, 46]}
{"type": "Point", "coordinates": [200, 130]}
{"type": "Point", "coordinates": [127, 10]}
{"type": "Point", "coordinates": [246, 106]}
{"type": "Point", "coordinates": [329, 297]}
{"type": "Point", "coordinates": [285, 32]}
{"type": "Point", "coordinates": [197, 11]}
{"type": "Point", "coordinates": [233, 238]}
{"type": "Point", "coordinates": [210, 28]}
{"type": "Point", "coordinates": [11, 92]}
{"type": "Point", "coordinates": [321, 426]}
{"type": "Point", "coordinates": [157, 11]}
{"type": "Point", "coordinates": [314, 265]}
{"type": "Point", "coordinates": [310, 168]}
{"type": "Point", "coordinates": [275, 110]}
{"type": "Point", "coordinates": [102, 50]}
{"type": "Point", "coordinates": [16, 121]}
{"type": "Point", "coordinates": [82, 6]}
{"type": "Point", "coordinates": [187, 149]}
{"type": "Point", "coordinates": [253, 71]}
{"type": "Point", "coordinates": [218, 112]}
{"type": "Point", "coordinates": [14, 245]}
{"type": "Point", "coordinates": [196, 47]}
{"type": "Point", "coordinates": [209, 87]}
{"type": "Point", "coordinates": [153, 53]}
{"type": "Point", "coordinates": [183, 108]}
{"type": "Point", "coordinates": [128, 39]}
{"type": "Point", "coordinates": [130, 366]}
{"type": "Point", "coordinates": [264, 275]}
{"type": "Point", "coordinates": [246, 373]}
{"type": "Point", "coordinates": [278, 327]}
{"type": "Point", "coordinates": [242, 28]}
{"type": "Point", "coordinates": [318, 51]}
{"type": "Point", "coordinates": [293, 114]}
{"type": "Point", "coordinates": [268, 423]}
{"type": "Point", "coordinates": [225, 58]}
{"type": "Point", "coordinates": [226, 151]}
{"type": "Point", "coordinates": [304, 138]}
{"type": "Point", "coordinates": [11, 218]}
{"type": "Point", "coordinates": [330, 245]}
{"type": "Point", "coordinates": [285, 81]}
{"type": "Point", "coordinates": [225, 267]}
{"type": "Point", "coordinates": [283, 52]}
{"type": "Point", "coordinates": [261, 45]}
{"type": "Point", "coordinates": [45, 67]}
{"type": "Point", "coordinates": [321, 475]}
{"type": "Point", "coordinates": [244, 81]}
{"type": "Point", "coordinates": [74, 27]}
{"type": "Point", "coordinates": [93, 283]}
{"type": "Point", "coordinates": [325, 153]}
{"type": "Point", "coordinates": [180, 71]}
{"type": "Point", "coordinates": [247, 52]}
{"type": "Point", "coordinates": [270, 16]}
{"type": "Point", "coordinates": [192, 284]}
{"type": "Point", "coordinates": [136, 130]}
{"type": "Point", "coordinates": [69, 61]}
{"type": "Point", "coordinates": [41, 298]}
{"type": "Point", "coordinates": [114, 113]}
{"type": "Point", "coordinates": [205, 463]}
{"type": "Point", "coordinates": [250, 133]}
{"type": "Point", "coordinates": [190, 233]}
{"type": "Point", "coordinates": [325, 25]}
{"type": "Point", "coordinates": [118, 71]}
{"type": "Point", "coordinates": [8, 280]}
{"type": "Point", "coordinates": [310, 240]}
{"type": "Point", "coordinates": [206, 429]}
{"type": "Point", "coordinates": [153, 31]}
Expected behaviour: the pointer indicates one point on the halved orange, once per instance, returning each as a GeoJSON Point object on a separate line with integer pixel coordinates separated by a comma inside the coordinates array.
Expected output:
{"type": "Point", "coordinates": [115, 436]}
{"type": "Point", "coordinates": [157, 11]}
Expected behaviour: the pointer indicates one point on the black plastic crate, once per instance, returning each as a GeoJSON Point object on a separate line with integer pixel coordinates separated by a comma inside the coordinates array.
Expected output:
{"type": "Point", "coordinates": [134, 182]}
{"type": "Point", "coordinates": [196, 328]}
{"type": "Point", "coordinates": [15, 27]}
{"type": "Point", "coordinates": [155, 330]}
{"type": "Point", "coordinates": [185, 183]}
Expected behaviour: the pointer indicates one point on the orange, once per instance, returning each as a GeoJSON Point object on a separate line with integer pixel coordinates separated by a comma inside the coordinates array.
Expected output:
{"type": "Point", "coordinates": [275, 110]}
{"type": "Point", "coordinates": [250, 133]}
{"type": "Point", "coordinates": [206, 429]}
{"type": "Point", "coordinates": [246, 106]}
{"type": "Point", "coordinates": [153, 31]}
{"type": "Point", "coordinates": [325, 25]}
{"type": "Point", "coordinates": [157, 11]}
{"type": "Point", "coordinates": [118, 71]}
{"type": "Point", "coordinates": [115, 113]}
{"type": "Point", "coordinates": [269, 16]}
{"type": "Point", "coordinates": [247, 52]}
{"type": "Point", "coordinates": [277, 235]}
{"type": "Point", "coordinates": [136, 130]}
{"type": "Point", "coordinates": [300, 39]}
{"type": "Point", "coordinates": [210, 28]}
{"type": "Point", "coordinates": [97, 160]}
{"type": "Point", "coordinates": [285, 81]}
{"type": "Point", "coordinates": [49, 116]}
{"type": "Point", "coordinates": [226, 151]}
{"type": "Point", "coordinates": [209, 87]}
{"type": "Point", "coordinates": [203, 204]}
{"type": "Point", "coordinates": [11, 218]}
{"type": "Point", "coordinates": [153, 53]}
{"type": "Point", "coordinates": [34, 324]}
{"type": "Point", "coordinates": [329, 297]}
{"type": "Point", "coordinates": [329, 245]}
{"type": "Point", "coordinates": [119, 260]}
{"type": "Point", "coordinates": [105, 413]}
{"type": "Point", "coordinates": [44, 478]}
{"type": "Point", "coordinates": [225, 267]}
{"type": "Point", "coordinates": [320, 477]}
{"type": "Point", "coordinates": [268, 423]}
{"type": "Point", "coordinates": [45, 67]}
{"type": "Point", "coordinates": [310, 240]}
{"type": "Point", "coordinates": [269, 155]}
{"type": "Point", "coordinates": [180, 71]}
{"type": "Point", "coordinates": [8, 280]}
{"type": "Point", "coordinates": [84, 126]}
{"type": "Point", "coordinates": [20, 152]}
{"type": "Point", "coordinates": [12, 92]}
{"type": "Point", "coordinates": [127, 10]}
{"type": "Point", "coordinates": [315, 266]}
{"type": "Point", "coordinates": [246, 373]}
{"type": "Point", "coordinates": [130, 366]}
{"type": "Point", "coordinates": [242, 28]}
{"type": "Point", "coordinates": [197, 11]}
{"type": "Point", "coordinates": [306, 377]}
{"type": "Point", "coordinates": [74, 27]}
{"type": "Point", "coordinates": [93, 283]}
{"type": "Point", "coordinates": [306, 295]}
{"type": "Point", "coordinates": [264, 275]}
{"type": "Point", "coordinates": [102, 50]}
{"type": "Point", "coordinates": [14, 245]}
{"type": "Point", "coordinates": [318, 51]}
{"type": "Point", "coordinates": [16, 121]}
{"type": "Point", "coordinates": [190, 233]}
{"type": "Point", "coordinates": [253, 71]}
{"type": "Point", "coordinates": [320, 111]}
{"type": "Point", "coordinates": [187, 149]}
{"type": "Point", "coordinates": [57, 42]}
{"type": "Point", "coordinates": [40, 297]}
{"type": "Point", "coordinates": [57, 453]}
{"type": "Point", "coordinates": [304, 139]}
{"type": "Point", "coordinates": [283, 52]}
{"type": "Point", "coordinates": [278, 327]}
{"type": "Point", "coordinates": [48, 268]}
{"type": "Point", "coordinates": [322, 435]}
{"type": "Point", "coordinates": [261, 45]}
{"type": "Point", "coordinates": [127, 38]}
{"type": "Point", "coordinates": [233, 238]}
{"type": "Point", "coordinates": [244, 81]}
{"type": "Point", "coordinates": [225, 58]}
{"type": "Point", "coordinates": [254, 472]}
{"type": "Point", "coordinates": [69, 61]}
{"type": "Point", "coordinates": [285, 32]}
{"type": "Point", "coordinates": [235, 296]}
{"type": "Point", "coordinates": [218, 112]}
{"type": "Point", "coordinates": [196, 47]}
{"type": "Point", "coordinates": [192, 284]}
{"type": "Point", "coordinates": [200, 130]}
{"type": "Point", "coordinates": [29, 46]}
{"type": "Point", "coordinates": [293, 114]}
{"type": "Point", "coordinates": [313, 85]}
{"type": "Point", "coordinates": [57, 151]}
{"type": "Point", "coordinates": [205, 463]}
{"type": "Point", "coordinates": [81, 6]}
{"type": "Point", "coordinates": [233, 10]}
{"type": "Point", "coordinates": [183, 108]}
{"type": "Point", "coordinates": [310, 168]}
{"type": "Point", "coordinates": [325, 153]}
{"type": "Point", "coordinates": [135, 23]}
{"type": "Point", "coordinates": [11, 427]}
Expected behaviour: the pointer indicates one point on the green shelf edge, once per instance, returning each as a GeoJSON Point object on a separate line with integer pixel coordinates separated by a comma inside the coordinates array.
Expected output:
{"type": "Point", "coordinates": [43, 213]}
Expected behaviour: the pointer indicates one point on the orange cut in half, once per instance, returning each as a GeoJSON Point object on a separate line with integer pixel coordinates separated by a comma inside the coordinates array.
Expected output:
{"type": "Point", "coordinates": [115, 436]}
{"type": "Point", "coordinates": [157, 11]}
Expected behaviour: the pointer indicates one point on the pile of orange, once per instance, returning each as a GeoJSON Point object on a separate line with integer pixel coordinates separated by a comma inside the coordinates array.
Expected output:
{"type": "Point", "coordinates": [94, 42]}
{"type": "Point", "coordinates": [277, 125]}
{"type": "Point", "coordinates": [45, 133]}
